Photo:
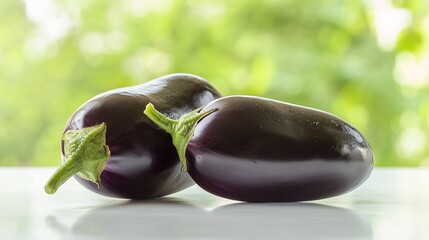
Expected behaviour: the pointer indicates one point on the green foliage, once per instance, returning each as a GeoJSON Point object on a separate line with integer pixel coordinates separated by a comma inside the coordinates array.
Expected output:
{"type": "Point", "coordinates": [322, 54]}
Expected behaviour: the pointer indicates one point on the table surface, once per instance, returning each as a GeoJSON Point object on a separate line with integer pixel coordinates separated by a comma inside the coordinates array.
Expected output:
{"type": "Point", "coordinates": [391, 204]}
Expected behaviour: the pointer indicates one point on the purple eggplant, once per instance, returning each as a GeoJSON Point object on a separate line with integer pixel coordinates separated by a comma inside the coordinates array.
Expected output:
{"type": "Point", "coordinates": [261, 150]}
{"type": "Point", "coordinates": [113, 149]}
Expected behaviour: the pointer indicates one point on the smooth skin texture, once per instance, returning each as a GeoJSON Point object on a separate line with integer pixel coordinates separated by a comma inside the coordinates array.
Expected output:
{"type": "Point", "coordinates": [141, 162]}
{"type": "Point", "coordinates": [261, 150]}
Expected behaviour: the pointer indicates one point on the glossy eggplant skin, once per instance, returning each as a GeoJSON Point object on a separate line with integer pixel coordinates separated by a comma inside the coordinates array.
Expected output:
{"type": "Point", "coordinates": [260, 150]}
{"type": "Point", "coordinates": [143, 162]}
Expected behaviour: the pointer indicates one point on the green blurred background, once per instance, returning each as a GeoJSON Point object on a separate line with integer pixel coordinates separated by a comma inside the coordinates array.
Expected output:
{"type": "Point", "coordinates": [365, 61]}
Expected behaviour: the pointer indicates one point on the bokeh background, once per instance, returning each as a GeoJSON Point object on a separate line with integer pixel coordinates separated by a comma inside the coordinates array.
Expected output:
{"type": "Point", "coordinates": [365, 61]}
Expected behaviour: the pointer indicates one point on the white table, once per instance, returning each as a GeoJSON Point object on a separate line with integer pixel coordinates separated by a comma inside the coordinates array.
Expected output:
{"type": "Point", "coordinates": [392, 204]}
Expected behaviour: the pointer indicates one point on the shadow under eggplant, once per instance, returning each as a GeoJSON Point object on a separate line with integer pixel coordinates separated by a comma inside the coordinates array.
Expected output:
{"type": "Point", "coordinates": [169, 218]}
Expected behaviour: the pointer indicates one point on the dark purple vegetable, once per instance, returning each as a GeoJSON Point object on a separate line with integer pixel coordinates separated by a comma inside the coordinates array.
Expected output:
{"type": "Point", "coordinates": [115, 150]}
{"type": "Point", "coordinates": [261, 150]}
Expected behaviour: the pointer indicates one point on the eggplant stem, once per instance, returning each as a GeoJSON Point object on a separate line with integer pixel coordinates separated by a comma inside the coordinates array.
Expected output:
{"type": "Point", "coordinates": [86, 155]}
{"type": "Point", "coordinates": [160, 119]}
{"type": "Point", "coordinates": [181, 130]}
{"type": "Point", "coordinates": [61, 175]}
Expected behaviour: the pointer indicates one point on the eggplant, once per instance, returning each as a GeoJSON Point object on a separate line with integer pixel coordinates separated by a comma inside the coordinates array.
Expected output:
{"type": "Point", "coordinates": [113, 149]}
{"type": "Point", "coordinates": [261, 150]}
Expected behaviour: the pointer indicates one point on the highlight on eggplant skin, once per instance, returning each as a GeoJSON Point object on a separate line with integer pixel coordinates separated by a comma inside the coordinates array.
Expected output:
{"type": "Point", "coordinates": [142, 162]}
{"type": "Point", "coordinates": [261, 150]}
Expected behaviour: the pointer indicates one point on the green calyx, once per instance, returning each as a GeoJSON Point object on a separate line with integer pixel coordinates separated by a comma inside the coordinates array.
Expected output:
{"type": "Point", "coordinates": [181, 130]}
{"type": "Point", "coordinates": [86, 155]}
